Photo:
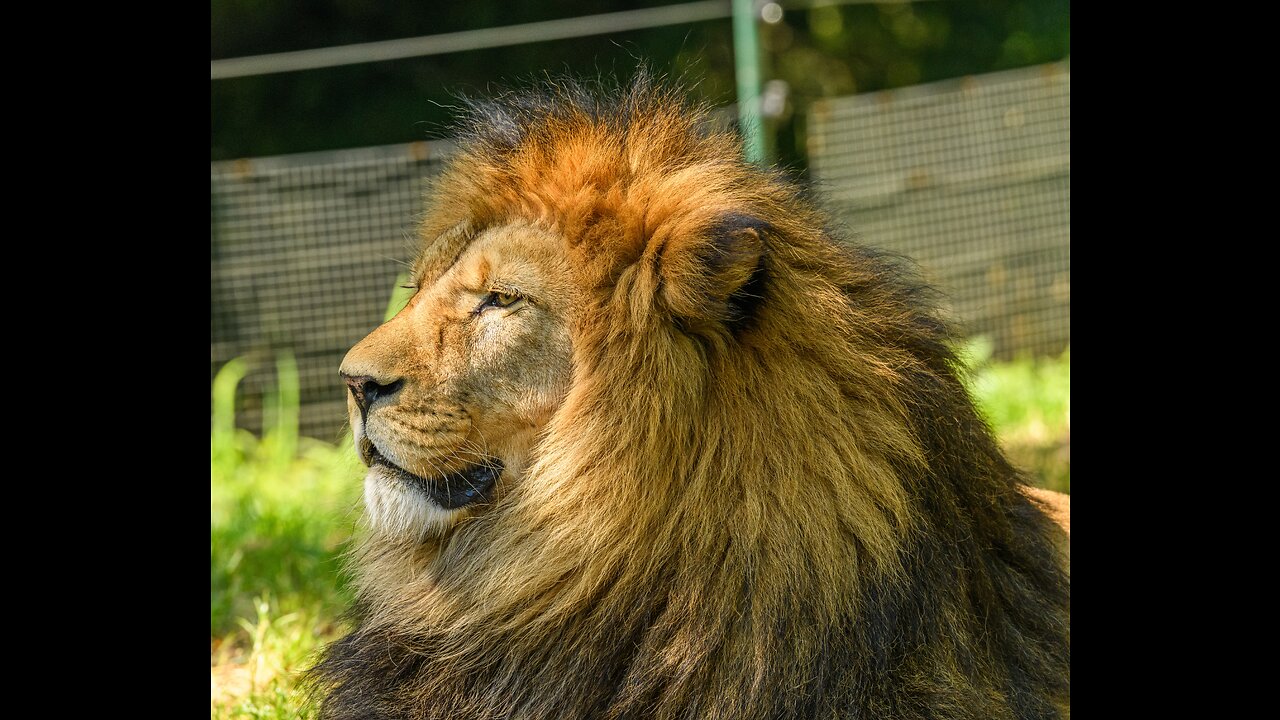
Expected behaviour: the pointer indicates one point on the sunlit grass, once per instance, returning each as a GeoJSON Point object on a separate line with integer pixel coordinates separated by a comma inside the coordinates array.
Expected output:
{"type": "Point", "coordinates": [282, 508]}
{"type": "Point", "coordinates": [1028, 403]}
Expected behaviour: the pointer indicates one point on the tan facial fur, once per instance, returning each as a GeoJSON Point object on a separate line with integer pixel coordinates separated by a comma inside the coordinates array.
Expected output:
{"type": "Point", "coordinates": [477, 382]}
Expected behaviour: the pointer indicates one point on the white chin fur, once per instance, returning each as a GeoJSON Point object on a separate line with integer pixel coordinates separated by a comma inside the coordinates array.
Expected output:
{"type": "Point", "coordinates": [398, 510]}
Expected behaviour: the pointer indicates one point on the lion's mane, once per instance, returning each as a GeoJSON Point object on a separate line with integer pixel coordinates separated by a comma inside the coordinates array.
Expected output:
{"type": "Point", "coordinates": [767, 493]}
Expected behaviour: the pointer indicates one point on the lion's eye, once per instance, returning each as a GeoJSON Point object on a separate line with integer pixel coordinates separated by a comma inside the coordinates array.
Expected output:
{"type": "Point", "coordinates": [498, 300]}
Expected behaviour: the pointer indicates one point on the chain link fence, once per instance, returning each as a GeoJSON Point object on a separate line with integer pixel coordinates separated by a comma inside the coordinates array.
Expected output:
{"type": "Point", "coordinates": [304, 253]}
{"type": "Point", "coordinates": [970, 177]}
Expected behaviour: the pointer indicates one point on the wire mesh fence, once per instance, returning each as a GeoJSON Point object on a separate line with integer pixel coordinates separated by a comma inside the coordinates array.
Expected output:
{"type": "Point", "coordinates": [970, 177]}
{"type": "Point", "coordinates": [304, 253]}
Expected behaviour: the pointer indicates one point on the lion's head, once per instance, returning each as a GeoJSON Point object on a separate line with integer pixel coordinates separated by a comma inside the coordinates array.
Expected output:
{"type": "Point", "coordinates": [450, 395]}
{"type": "Point", "coordinates": [649, 442]}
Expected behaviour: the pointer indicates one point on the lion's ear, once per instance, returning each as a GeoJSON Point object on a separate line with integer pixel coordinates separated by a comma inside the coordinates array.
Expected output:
{"type": "Point", "coordinates": [717, 273]}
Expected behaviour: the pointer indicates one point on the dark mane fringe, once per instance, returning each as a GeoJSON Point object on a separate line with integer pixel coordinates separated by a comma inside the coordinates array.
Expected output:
{"type": "Point", "coordinates": [505, 118]}
{"type": "Point", "coordinates": [967, 616]}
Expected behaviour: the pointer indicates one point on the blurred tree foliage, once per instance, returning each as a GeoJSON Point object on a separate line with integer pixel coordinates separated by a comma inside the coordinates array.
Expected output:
{"type": "Point", "coordinates": [819, 51]}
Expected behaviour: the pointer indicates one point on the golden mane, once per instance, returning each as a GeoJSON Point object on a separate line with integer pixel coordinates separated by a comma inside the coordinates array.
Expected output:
{"type": "Point", "coordinates": [767, 494]}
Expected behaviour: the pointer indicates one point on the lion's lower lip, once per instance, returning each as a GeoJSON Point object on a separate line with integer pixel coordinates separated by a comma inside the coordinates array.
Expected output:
{"type": "Point", "coordinates": [470, 485]}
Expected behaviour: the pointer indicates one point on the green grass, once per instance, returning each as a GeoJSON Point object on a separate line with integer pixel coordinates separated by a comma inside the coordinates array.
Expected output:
{"type": "Point", "coordinates": [281, 510]}
{"type": "Point", "coordinates": [1028, 403]}
{"type": "Point", "coordinates": [283, 506]}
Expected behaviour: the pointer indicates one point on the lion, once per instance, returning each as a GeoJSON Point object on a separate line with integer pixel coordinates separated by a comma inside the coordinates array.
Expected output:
{"type": "Point", "coordinates": [650, 441]}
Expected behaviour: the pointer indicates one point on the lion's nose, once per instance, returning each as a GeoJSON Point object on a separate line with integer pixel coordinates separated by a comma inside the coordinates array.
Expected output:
{"type": "Point", "coordinates": [367, 390]}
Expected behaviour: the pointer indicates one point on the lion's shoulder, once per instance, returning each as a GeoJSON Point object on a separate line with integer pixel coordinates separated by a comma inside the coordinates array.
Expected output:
{"type": "Point", "coordinates": [1057, 505]}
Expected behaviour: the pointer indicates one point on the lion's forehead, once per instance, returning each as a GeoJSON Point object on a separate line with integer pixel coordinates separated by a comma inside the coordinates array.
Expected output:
{"type": "Point", "coordinates": [518, 254]}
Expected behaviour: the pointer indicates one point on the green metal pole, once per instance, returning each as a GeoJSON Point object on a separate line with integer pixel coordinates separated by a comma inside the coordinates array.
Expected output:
{"type": "Point", "coordinates": [746, 61]}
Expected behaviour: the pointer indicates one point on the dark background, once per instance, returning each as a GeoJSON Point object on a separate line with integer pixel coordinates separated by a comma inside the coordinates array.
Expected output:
{"type": "Point", "coordinates": [818, 51]}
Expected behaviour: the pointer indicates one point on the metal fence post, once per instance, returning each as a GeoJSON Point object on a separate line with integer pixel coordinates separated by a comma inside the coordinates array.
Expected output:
{"type": "Point", "coordinates": [746, 61]}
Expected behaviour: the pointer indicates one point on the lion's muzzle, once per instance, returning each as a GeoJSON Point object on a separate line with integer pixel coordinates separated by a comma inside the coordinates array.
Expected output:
{"type": "Point", "coordinates": [451, 490]}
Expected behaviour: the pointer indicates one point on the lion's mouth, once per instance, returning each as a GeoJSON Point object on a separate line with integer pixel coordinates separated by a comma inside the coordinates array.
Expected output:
{"type": "Point", "coordinates": [451, 490]}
